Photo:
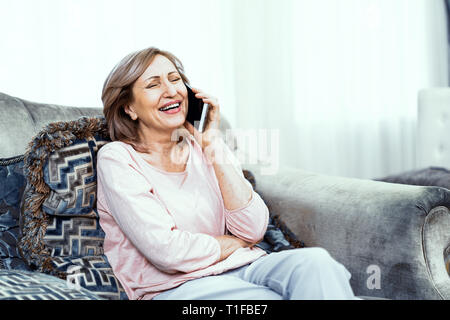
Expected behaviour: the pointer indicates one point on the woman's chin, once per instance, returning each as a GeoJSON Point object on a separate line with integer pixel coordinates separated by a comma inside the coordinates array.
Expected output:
{"type": "Point", "coordinates": [175, 123]}
{"type": "Point", "coordinates": [171, 122]}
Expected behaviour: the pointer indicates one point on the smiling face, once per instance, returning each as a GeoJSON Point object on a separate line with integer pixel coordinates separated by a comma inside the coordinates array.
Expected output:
{"type": "Point", "coordinates": [160, 98]}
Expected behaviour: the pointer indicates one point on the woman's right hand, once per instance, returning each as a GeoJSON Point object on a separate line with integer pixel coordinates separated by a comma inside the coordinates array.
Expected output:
{"type": "Point", "coordinates": [229, 244]}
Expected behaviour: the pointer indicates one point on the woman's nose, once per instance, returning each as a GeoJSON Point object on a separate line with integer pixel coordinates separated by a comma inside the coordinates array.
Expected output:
{"type": "Point", "coordinates": [170, 89]}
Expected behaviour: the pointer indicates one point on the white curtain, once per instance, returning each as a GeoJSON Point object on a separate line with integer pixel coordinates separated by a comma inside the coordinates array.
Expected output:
{"type": "Point", "coordinates": [339, 79]}
{"type": "Point", "coordinates": [331, 84]}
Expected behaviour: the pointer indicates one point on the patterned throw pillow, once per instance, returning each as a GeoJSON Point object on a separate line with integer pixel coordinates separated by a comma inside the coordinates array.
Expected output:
{"type": "Point", "coordinates": [26, 285]}
{"type": "Point", "coordinates": [12, 185]}
{"type": "Point", "coordinates": [94, 273]}
{"type": "Point", "coordinates": [73, 228]}
{"type": "Point", "coordinates": [61, 233]}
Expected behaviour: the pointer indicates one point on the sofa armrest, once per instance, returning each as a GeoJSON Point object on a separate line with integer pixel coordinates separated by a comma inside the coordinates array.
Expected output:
{"type": "Point", "coordinates": [436, 247]}
{"type": "Point", "coordinates": [378, 230]}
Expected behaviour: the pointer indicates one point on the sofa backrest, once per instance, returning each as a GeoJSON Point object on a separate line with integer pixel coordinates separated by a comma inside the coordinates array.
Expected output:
{"type": "Point", "coordinates": [20, 120]}
{"type": "Point", "coordinates": [433, 148]}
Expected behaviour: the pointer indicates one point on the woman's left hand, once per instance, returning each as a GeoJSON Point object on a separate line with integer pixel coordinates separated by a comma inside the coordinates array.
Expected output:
{"type": "Point", "coordinates": [211, 133]}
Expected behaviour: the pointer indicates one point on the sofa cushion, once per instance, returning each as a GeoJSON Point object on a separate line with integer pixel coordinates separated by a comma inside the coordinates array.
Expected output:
{"type": "Point", "coordinates": [12, 185]}
{"type": "Point", "coordinates": [27, 285]}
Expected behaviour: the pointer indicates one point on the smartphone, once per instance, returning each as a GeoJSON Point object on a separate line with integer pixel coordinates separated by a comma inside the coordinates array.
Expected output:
{"type": "Point", "coordinates": [197, 110]}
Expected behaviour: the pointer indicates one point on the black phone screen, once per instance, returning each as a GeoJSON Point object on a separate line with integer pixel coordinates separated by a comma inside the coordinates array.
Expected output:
{"type": "Point", "coordinates": [195, 107]}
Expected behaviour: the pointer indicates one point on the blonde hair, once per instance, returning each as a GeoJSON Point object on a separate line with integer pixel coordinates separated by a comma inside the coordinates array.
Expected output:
{"type": "Point", "coordinates": [117, 93]}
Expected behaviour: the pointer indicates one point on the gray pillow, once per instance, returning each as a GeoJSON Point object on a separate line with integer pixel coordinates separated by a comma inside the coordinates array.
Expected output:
{"type": "Point", "coordinates": [431, 176]}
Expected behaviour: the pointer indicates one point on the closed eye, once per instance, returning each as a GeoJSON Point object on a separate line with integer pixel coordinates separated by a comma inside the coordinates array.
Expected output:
{"type": "Point", "coordinates": [154, 85]}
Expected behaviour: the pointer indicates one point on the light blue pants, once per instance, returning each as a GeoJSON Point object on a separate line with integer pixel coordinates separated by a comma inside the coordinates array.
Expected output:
{"type": "Point", "coordinates": [297, 274]}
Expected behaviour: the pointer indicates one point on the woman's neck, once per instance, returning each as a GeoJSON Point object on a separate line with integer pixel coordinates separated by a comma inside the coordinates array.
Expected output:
{"type": "Point", "coordinates": [158, 142]}
{"type": "Point", "coordinates": [171, 157]}
{"type": "Point", "coordinates": [166, 150]}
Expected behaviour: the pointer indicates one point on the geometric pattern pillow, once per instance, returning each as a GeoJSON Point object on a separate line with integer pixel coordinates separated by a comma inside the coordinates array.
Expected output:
{"type": "Point", "coordinates": [26, 285]}
{"type": "Point", "coordinates": [94, 273]}
{"type": "Point", "coordinates": [59, 220]}
{"type": "Point", "coordinates": [71, 175]}
{"type": "Point", "coordinates": [12, 185]}
{"type": "Point", "coordinates": [73, 236]}
{"type": "Point", "coordinates": [73, 227]}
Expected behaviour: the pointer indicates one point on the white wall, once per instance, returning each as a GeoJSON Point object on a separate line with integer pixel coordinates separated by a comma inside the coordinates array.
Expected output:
{"type": "Point", "coordinates": [61, 51]}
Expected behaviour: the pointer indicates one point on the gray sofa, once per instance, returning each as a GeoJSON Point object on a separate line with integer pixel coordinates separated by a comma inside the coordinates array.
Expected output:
{"type": "Point", "coordinates": [393, 238]}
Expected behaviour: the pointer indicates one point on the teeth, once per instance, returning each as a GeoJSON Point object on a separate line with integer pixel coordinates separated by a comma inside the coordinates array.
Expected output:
{"type": "Point", "coordinates": [175, 105]}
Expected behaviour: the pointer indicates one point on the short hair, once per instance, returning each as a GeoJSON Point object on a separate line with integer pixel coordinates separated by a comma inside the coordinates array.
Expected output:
{"type": "Point", "coordinates": [117, 93]}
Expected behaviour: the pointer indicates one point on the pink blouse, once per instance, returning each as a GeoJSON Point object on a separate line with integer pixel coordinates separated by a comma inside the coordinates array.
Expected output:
{"type": "Point", "coordinates": [160, 226]}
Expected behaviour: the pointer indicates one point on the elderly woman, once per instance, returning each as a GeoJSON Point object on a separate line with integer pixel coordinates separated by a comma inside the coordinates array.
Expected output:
{"type": "Point", "coordinates": [179, 217]}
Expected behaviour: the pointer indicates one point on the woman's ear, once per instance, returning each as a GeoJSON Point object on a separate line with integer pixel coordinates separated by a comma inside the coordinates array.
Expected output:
{"type": "Point", "coordinates": [129, 110]}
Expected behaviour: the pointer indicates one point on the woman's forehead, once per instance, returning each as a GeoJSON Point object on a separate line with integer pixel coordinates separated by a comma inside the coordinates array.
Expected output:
{"type": "Point", "coordinates": [158, 67]}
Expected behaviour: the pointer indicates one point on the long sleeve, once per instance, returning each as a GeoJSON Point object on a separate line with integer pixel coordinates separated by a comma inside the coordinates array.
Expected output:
{"type": "Point", "coordinates": [250, 221]}
{"type": "Point", "coordinates": [144, 219]}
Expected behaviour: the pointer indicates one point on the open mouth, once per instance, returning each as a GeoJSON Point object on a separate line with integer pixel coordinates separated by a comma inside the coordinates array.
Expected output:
{"type": "Point", "coordinates": [171, 109]}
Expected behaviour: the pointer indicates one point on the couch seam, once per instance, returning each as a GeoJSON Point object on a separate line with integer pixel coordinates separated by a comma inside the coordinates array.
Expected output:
{"type": "Point", "coordinates": [11, 160]}
{"type": "Point", "coordinates": [28, 110]}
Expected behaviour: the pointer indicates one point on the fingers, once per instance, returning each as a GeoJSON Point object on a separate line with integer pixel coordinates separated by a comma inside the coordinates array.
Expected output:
{"type": "Point", "coordinates": [193, 131]}
{"type": "Point", "coordinates": [244, 243]}
{"type": "Point", "coordinates": [208, 99]}
{"type": "Point", "coordinates": [249, 244]}
{"type": "Point", "coordinates": [214, 111]}
{"type": "Point", "coordinates": [211, 102]}
{"type": "Point", "coordinates": [189, 127]}
{"type": "Point", "coordinates": [213, 116]}
{"type": "Point", "coordinates": [205, 97]}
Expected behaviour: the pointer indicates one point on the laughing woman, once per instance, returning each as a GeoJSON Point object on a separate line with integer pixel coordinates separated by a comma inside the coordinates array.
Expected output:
{"type": "Point", "coordinates": [180, 220]}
